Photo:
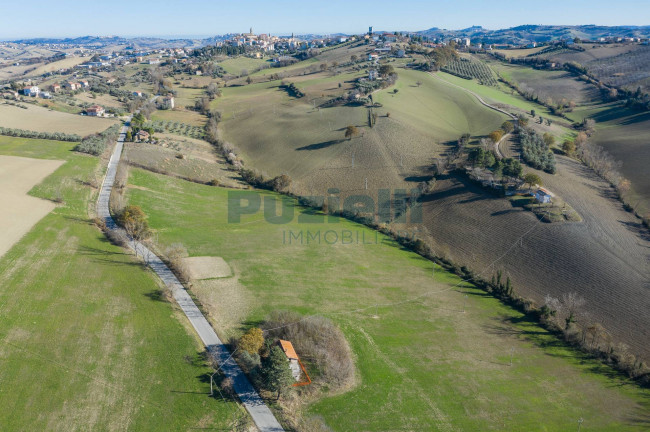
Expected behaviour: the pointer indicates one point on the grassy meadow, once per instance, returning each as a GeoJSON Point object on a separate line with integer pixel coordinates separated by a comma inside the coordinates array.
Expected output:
{"type": "Point", "coordinates": [88, 341]}
{"type": "Point", "coordinates": [431, 352]}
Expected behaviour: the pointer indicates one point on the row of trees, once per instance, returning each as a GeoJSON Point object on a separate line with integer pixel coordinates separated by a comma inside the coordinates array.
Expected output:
{"type": "Point", "coordinates": [58, 136]}
{"type": "Point", "coordinates": [96, 144]}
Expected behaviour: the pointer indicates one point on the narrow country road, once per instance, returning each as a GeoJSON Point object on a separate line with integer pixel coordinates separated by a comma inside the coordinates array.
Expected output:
{"type": "Point", "coordinates": [261, 414]}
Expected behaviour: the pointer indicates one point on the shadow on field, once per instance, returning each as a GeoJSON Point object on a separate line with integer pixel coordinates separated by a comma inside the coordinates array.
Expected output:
{"type": "Point", "coordinates": [108, 257]}
{"type": "Point", "coordinates": [641, 416]}
{"type": "Point", "coordinates": [321, 145]}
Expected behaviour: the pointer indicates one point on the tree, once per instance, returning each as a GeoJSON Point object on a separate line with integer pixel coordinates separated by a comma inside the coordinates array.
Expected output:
{"type": "Point", "coordinates": [507, 127]}
{"type": "Point", "coordinates": [496, 136]}
{"type": "Point", "coordinates": [418, 83]}
{"type": "Point", "coordinates": [249, 80]}
{"type": "Point", "coordinates": [532, 179]}
{"type": "Point", "coordinates": [129, 135]}
{"type": "Point", "coordinates": [353, 58]}
{"type": "Point", "coordinates": [569, 147]}
{"type": "Point", "coordinates": [532, 113]}
{"type": "Point", "coordinates": [277, 372]}
{"type": "Point", "coordinates": [523, 121]}
{"type": "Point", "coordinates": [281, 182]}
{"type": "Point", "coordinates": [134, 222]}
{"type": "Point", "coordinates": [548, 139]}
{"type": "Point", "coordinates": [252, 341]}
{"type": "Point", "coordinates": [323, 67]}
{"type": "Point", "coordinates": [351, 131]}
{"type": "Point", "coordinates": [385, 70]}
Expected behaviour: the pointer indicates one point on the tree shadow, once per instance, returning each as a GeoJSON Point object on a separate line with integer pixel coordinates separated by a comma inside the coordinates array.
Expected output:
{"type": "Point", "coordinates": [321, 145]}
{"type": "Point", "coordinates": [156, 295]}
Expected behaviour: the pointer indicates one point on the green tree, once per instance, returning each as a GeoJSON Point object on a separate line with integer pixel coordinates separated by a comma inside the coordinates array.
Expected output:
{"type": "Point", "coordinates": [129, 135]}
{"type": "Point", "coordinates": [385, 70]}
{"type": "Point", "coordinates": [252, 341]}
{"type": "Point", "coordinates": [277, 372]}
{"type": "Point", "coordinates": [532, 113]}
{"type": "Point", "coordinates": [569, 147]}
{"type": "Point", "coordinates": [507, 127]}
{"type": "Point", "coordinates": [548, 139]}
{"type": "Point", "coordinates": [532, 179]}
{"type": "Point", "coordinates": [523, 121]}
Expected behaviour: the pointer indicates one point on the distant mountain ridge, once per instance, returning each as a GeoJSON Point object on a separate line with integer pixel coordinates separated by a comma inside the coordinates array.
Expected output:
{"type": "Point", "coordinates": [521, 34]}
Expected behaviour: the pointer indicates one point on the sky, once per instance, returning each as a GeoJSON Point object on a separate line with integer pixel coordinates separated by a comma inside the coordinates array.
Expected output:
{"type": "Point", "coordinates": [194, 18]}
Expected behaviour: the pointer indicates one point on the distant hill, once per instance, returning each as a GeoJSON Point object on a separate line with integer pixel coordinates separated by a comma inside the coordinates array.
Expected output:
{"type": "Point", "coordinates": [515, 35]}
{"type": "Point", "coordinates": [538, 33]}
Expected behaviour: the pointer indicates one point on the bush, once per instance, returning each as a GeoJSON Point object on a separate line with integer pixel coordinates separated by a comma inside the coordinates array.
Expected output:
{"type": "Point", "coordinates": [317, 339]}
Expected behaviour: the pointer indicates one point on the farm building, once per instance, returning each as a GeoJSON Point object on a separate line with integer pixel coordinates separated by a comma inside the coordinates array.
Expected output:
{"type": "Point", "coordinates": [292, 357]}
{"type": "Point", "coordinates": [95, 111]}
{"type": "Point", "coordinates": [72, 85]}
{"type": "Point", "coordinates": [31, 90]}
{"type": "Point", "coordinates": [137, 93]}
{"type": "Point", "coordinates": [55, 88]}
{"type": "Point", "coordinates": [167, 102]}
{"type": "Point", "coordinates": [142, 136]}
{"type": "Point", "coordinates": [543, 196]}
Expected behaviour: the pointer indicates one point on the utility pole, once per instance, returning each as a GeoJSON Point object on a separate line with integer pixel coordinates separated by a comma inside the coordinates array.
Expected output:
{"type": "Point", "coordinates": [580, 420]}
{"type": "Point", "coordinates": [352, 160]}
{"type": "Point", "coordinates": [512, 352]}
{"type": "Point", "coordinates": [464, 302]}
{"type": "Point", "coordinates": [366, 183]}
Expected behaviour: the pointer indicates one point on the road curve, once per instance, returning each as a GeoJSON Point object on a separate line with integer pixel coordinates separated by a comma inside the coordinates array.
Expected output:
{"type": "Point", "coordinates": [261, 414]}
{"type": "Point", "coordinates": [480, 99]}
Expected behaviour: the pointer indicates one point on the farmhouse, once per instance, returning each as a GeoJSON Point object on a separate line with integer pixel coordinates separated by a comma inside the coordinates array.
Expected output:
{"type": "Point", "coordinates": [142, 136]}
{"type": "Point", "coordinates": [45, 95]}
{"type": "Point", "coordinates": [292, 357]}
{"type": "Point", "coordinates": [137, 93]}
{"type": "Point", "coordinates": [95, 111]}
{"type": "Point", "coordinates": [84, 84]}
{"type": "Point", "coordinates": [55, 88]}
{"type": "Point", "coordinates": [543, 196]}
{"type": "Point", "coordinates": [167, 102]}
{"type": "Point", "coordinates": [72, 85]}
{"type": "Point", "coordinates": [31, 90]}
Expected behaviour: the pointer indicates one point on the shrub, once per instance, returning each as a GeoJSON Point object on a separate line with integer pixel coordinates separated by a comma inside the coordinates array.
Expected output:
{"type": "Point", "coordinates": [317, 339]}
{"type": "Point", "coordinates": [251, 341]}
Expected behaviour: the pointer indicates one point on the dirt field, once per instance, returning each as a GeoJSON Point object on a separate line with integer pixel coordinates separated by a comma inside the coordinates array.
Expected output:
{"type": "Point", "coordinates": [19, 211]}
{"type": "Point", "coordinates": [207, 267]}
{"type": "Point", "coordinates": [41, 119]}
{"type": "Point", "coordinates": [603, 258]}
{"type": "Point", "coordinates": [66, 63]}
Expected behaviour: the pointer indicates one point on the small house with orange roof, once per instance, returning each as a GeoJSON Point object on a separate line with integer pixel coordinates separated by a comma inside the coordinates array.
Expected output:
{"type": "Point", "coordinates": [292, 358]}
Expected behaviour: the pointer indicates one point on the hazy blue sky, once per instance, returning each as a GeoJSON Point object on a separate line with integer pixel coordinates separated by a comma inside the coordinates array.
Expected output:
{"type": "Point", "coordinates": [38, 18]}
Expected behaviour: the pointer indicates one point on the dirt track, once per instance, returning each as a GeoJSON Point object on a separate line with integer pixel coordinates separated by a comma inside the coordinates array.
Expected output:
{"type": "Point", "coordinates": [20, 211]}
{"type": "Point", "coordinates": [604, 258]}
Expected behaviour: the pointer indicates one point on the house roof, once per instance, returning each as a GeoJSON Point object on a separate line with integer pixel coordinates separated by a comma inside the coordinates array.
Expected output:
{"type": "Point", "coordinates": [545, 192]}
{"type": "Point", "coordinates": [287, 347]}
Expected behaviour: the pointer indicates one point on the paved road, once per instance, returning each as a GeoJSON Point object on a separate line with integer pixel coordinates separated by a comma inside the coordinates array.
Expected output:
{"type": "Point", "coordinates": [261, 414]}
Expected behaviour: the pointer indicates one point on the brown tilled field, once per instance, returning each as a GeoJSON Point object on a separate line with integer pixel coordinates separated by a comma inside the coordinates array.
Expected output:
{"type": "Point", "coordinates": [604, 258]}
{"type": "Point", "coordinates": [19, 211]}
{"type": "Point", "coordinates": [37, 118]}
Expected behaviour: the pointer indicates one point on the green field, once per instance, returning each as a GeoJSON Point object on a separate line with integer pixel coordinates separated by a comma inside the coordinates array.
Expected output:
{"type": "Point", "coordinates": [277, 133]}
{"type": "Point", "coordinates": [88, 341]}
{"type": "Point", "coordinates": [236, 65]}
{"type": "Point", "coordinates": [426, 356]}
